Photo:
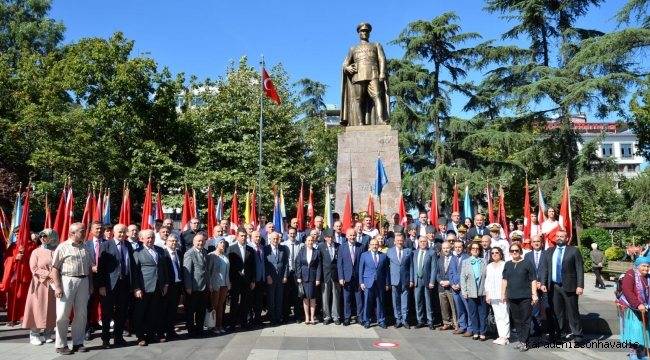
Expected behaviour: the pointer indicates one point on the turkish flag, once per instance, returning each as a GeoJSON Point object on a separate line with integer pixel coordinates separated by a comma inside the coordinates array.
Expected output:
{"type": "Point", "coordinates": [565, 219]}
{"type": "Point", "coordinates": [269, 88]}
{"type": "Point", "coordinates": [433, 214]}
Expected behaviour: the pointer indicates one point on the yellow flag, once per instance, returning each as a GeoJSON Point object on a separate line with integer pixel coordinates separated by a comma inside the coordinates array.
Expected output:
{"type": "Point", "coordinates": [247, 212]}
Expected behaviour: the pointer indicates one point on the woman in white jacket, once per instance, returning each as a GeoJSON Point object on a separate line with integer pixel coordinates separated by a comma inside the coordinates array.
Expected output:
{"type": "Point", "coordinates": [493, 282]}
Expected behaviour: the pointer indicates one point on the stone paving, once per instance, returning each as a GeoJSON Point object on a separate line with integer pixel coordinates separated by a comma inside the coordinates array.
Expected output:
{"type": "Point", "coordinates": [300, 341]}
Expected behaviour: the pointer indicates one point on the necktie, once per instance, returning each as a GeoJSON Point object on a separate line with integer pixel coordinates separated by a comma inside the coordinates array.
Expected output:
{"type": "Point", "coordinates": [558, 266]}
{"type": "Point", "coordinates": [292, 258]}
{"type": "Point", "coordinates": [352, 253]}
{"type": "Point", "coordinates": [374, 258]}
{"type": "Point", "coordinates": [487, 255]}
{"type": "Point", "coordinates": [258, 252]}
{"type": "Point", "coordinates": [446, 263]}
{"type": "Point", "coordinates": [420, 263]}
{"type": "Point", "coordinates": [399, 255]}
{"type": "Point", "coordinates": [96, 252]}
{"type": "Point", "coordinates": [275, 252]}
{"type": "Point", "coordinates": [457, 262]}
{"type": "Point", "coordinates": [175, 261]}
{"type": "Point", "coordinates": [331, 253]}
{"type": "Point", "coordinates": [536, 259]}
{"type": "Point", "coordinates": [122, 260]}
{"type": "Point", "coordinates": [154, 255]}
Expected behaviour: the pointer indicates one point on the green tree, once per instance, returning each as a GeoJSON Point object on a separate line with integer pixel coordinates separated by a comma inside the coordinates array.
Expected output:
{"type": "Point", "coordinates": [640, 120]}
{"type": "Point", "coordinates": [429, 136]}
{"type": "Point", "coordinates": [223, 115]}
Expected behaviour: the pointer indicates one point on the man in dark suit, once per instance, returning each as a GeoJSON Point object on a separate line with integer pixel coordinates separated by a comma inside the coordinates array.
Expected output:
{"type": "Point", "coordinates": [441, 233]}
{"type": "Point", "coordinates": [330, 286]}
{"type": "Point", "coordinates": [276, 261]}
{"type": "Point", "coordinates": [318, 226]}
{"type": "Point", "coordinates": [242, 273]}
{"type": "Point", "coordinates": [563, 278]}
{"type": "Point", "coordinates": [464, 323]}
{"type": "Point", "coordinates": [412, 238]}
{"type": "Point", "coordinates": [361, 238]}
{"type": "Point", "coordinates": [149, 285]}
{"type": "Point", "coordinates": [348, 266]}
{"type": "Point", "coordinates": [425, 269]}
{"type": "Point", "coordinates": [447, 304]}
{"type": "Point", "coordinates": [188, 235]}
{"type": "Point", "coordinates": [93, 307]}
{"type": "Point", "coordinates": [537, 257]}
{"type": "Point", "coordinates": [196, 281]}
{"type": "Point", "coordinates": [170, 301]}
{"type": "Point", "coordinates": [401, 279]}
{"type": "Point", "coordinates": [478, 228]}
{"type": "Point", "coordinates": [290, 297]}
{"type": "Point", "coordinates": [114, 282]}
{"type": "Point", "coordinates": [375, 281]}
{"type": "Point", "coordinates": [257, 293]}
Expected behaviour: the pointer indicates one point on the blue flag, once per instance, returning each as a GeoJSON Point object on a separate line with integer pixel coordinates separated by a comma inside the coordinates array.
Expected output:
{"type": "Point", "coordinates": [467, 206]}
{"type": "Point", "coordinates": [15, 219]}
{"type": "Point", "coordinates": [277, 214]}
{"type": "Point", "coordinates": [381, 179]}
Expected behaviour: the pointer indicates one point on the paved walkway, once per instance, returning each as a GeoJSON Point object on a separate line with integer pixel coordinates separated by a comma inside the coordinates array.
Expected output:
{"type": "Point", "coordinates": [299, 341]}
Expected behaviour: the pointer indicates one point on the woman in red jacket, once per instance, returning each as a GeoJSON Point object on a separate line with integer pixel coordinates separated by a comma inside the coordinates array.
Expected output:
{"type": "Point", "coordinates": [634, 304]}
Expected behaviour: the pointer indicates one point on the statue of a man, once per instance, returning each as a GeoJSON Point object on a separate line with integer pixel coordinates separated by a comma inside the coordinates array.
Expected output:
{"type": "Point", "coordinates": [364, 84]}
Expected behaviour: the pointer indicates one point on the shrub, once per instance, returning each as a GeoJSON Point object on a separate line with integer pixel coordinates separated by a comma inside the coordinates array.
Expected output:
{"type": "Point", "coordinates": [614, 253]}
{"type": "Point", "coordinates": [586, 259]}
{"type": "Point", "coordinates": [599, 236]}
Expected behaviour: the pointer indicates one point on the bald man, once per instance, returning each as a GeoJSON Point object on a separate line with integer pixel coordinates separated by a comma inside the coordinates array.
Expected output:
{"type": "Point", "coordinates": [114, 283]}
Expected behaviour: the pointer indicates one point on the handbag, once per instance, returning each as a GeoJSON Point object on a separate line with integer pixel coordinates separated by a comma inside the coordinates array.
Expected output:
{"type": "Point", "coordinates": [491, 321]}
{"type": "Point", "coordinates": [210, 319]}
{"type": "Point", "coordinates": [301, 291]}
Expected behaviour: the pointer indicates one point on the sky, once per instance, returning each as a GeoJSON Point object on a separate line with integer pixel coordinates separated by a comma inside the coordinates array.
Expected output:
{"type": "Point", "coordinates": [310, 39]}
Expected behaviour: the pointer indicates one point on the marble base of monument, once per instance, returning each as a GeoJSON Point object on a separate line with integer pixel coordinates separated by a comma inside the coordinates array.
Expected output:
{"type": "Point", "coordinates": [358, 148]}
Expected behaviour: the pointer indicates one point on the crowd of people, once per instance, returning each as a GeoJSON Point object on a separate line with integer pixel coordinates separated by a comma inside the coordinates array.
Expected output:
{"type": "Point", "coordinates": [122, 280]}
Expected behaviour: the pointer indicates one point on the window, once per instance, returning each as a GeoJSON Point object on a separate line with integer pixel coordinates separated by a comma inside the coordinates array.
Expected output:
{"type": "Point", "coordinates": [607, 150]}
{"type": "Point", "coordinates": [626, 150]}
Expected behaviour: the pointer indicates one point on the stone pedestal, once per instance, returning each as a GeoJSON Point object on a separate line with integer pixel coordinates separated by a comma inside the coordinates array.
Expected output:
{"type": "Point", "coordinates": [357, 167]}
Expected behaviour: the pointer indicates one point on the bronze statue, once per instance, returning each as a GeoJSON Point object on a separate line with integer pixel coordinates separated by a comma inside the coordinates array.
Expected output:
{"type": "Point", "coordinates": [364, 84]}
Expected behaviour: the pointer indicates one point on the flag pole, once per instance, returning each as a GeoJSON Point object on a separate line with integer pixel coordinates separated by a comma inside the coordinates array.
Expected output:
{"type": "Point", "coordinates": [259, 195]}
{"type": "Point", "coordinates": [381, 227]}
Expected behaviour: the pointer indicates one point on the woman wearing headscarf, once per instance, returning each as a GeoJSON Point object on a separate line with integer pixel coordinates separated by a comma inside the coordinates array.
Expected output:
{"type": "Point", "coordinates": [40, 309]}
{"type": "Point", "coordinates": [633, 308]}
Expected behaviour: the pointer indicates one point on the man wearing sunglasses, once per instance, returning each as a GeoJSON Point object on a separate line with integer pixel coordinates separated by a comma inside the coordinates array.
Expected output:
{"type": "Point", "coordinates": [537, 256]}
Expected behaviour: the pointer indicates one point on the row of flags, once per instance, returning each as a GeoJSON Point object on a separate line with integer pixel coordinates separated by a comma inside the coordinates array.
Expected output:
{"type": "Point", "coordinates": [98, 209]}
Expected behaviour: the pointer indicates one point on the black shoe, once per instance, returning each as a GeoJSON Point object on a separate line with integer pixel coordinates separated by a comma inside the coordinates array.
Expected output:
{"type": "Point", "coordinates": [337, 322]}
{"type": "Point", "coordinates": [126, 333]}
{"type": "Point", "coordinates": [246, 326]}
{"type": "Point", "coordinates": [383, 325]}
{"type": "Point", "coordinates": [419, 325]}
{"type": "Point", "coordinates": [279, 322]}
{"type": "Point", "coordinates": [64, 351]}
{"type": "Point", "coordinates": [173, 335]}
{"type": "Point", "coordinates": [79, 348]}
{"type": "Point", "coordinates": [432, 327]}
{"type": "Point", "coordinates": [89, 335]}
{"type": "Point", "coordinates": [398, 325]}
{"type": "Point", "coordinates": [120, 342]}
{"type": "Point", "coordinates": [106, 344]}
{"type": "Point", "coordinates": [518, 346]}
{"type": "Point", "coordinates": [327, 322]}
{"type": "Point", "coordinates": [523, 348]}
{"type": "Point", "coordinates": [366, 326]}
{"type": "Point", "coordinates": [346, 322]}
{"type": "Point", "coordinates": [300, 321]}
{"type": "Point", "coordinates": [406, 326]}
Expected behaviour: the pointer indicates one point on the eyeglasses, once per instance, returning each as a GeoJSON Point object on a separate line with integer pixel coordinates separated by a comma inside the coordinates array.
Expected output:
{"type": "Point", "coordinates": [496, 253]}
{"type": "Point", "coordinates": [514, 251]}
{"type": "Point", "coordinates": [42, 236]}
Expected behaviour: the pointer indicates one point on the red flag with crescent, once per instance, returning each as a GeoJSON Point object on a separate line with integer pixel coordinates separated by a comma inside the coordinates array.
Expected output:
{"type": "Point", "coordinates": [269, 88]}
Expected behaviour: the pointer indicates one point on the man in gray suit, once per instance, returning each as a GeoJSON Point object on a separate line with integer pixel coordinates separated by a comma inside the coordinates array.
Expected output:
{"type": "Point", "coordinates": [424, 270]}
{"type": "Point", "coordinates": [114, 283]}
{"type": "Point", "coordinates": [330, 286]}
{"type": "Point", "coordinates": [401, 279]}
{"type": "Point", "coordinates": [195, 277]}
{"type": "Point", "coordinates": [276, 261]}
{"type": "Point", "coordinates": [149, 285]}
{"type": "Point", "coordinates": [291, 288]}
